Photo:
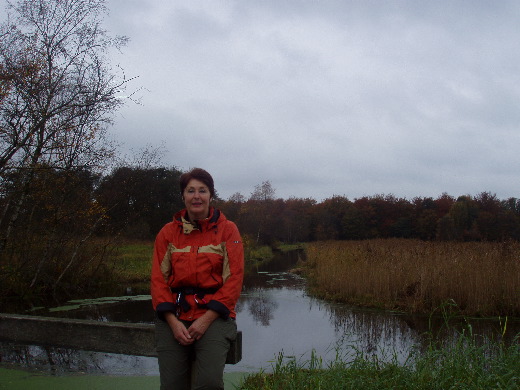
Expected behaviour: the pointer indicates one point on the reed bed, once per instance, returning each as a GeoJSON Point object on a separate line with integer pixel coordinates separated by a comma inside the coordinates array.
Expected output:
{"type": "Point", "coordinates": [482, 278]}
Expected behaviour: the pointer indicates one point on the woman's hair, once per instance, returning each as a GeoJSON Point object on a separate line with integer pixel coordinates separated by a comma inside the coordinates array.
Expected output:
{"type": "Point", "coordinates": [197, 174]}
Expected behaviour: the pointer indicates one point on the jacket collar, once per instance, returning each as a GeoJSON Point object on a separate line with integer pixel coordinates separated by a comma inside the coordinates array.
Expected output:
{"type": "Point", "coordinates": [181, 218]}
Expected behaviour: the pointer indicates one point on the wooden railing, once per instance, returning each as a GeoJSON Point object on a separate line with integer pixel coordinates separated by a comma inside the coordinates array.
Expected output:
{"type": "Point", "coordinates": [90, 335]}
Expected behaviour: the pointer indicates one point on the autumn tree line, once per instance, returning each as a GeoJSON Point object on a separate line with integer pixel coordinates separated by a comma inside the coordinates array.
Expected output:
{"type": "Point", "coordinates": [134, 202]}
{"type": "Point", "coordinates": [140, 201]}
{"type": "Point", "coordinates": [268, 220]}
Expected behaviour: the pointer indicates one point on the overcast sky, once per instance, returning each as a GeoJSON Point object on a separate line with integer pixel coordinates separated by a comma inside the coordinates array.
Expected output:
{"type": "Point", "coordinates": [321, 98]}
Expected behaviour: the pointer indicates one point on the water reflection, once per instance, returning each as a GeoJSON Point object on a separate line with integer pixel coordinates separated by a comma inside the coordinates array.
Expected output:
{"type": "Point", "coordinates": [275, 315]}
{"type": "Point", "coordinates": [62, 361]}
{"type": "Point", "coordinates": [260, 306]}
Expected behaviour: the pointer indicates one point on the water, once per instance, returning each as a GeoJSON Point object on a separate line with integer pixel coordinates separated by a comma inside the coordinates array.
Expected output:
{"type": "Point", "coordinates": [275, 315]}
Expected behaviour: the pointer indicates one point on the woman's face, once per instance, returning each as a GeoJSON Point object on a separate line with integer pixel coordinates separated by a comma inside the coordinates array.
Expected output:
{"type": "Point", "coordinates": [196, 199]}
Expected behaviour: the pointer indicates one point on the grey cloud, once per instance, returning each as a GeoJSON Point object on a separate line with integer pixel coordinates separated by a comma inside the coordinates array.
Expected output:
{"type": "Point", "coordinates": [355, 98]}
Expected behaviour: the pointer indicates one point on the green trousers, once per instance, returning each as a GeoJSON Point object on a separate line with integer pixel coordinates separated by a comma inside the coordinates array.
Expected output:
{"type": "Point", "coordinates": [206, 357]}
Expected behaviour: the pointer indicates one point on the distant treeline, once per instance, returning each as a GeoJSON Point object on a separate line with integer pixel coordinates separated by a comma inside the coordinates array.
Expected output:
{"type": "Point", "coordinates": [139, 201]}
{"type": "Point", "coordinates": [483, 217]}
{"type": "Point", "coordinates": [136, 202]}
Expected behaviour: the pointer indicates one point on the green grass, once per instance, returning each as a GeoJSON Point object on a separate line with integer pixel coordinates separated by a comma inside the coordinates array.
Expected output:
{"type": "Point", "coordinates": [290, 247]}
{"type": "Point", "coordinates": [467, 363]}
{"type": "Point", "coordinates": [263, 252]}
{"type": "Point", "coordinates": [133, 261]}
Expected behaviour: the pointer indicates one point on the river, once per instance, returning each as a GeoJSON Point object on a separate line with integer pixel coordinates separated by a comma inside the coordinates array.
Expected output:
{"type": "Point", "coordinates": [276, 316]}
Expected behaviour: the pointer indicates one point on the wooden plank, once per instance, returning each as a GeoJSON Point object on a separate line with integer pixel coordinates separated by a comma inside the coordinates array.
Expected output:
{"type": "Point", "coordinates": [90, 335]}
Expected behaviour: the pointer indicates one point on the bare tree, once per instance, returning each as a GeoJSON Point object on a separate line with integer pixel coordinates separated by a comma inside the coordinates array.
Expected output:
{"type": "Point", "coordinates": [263, 192]}
{"type": "Point", "coordinates": [58, 93]}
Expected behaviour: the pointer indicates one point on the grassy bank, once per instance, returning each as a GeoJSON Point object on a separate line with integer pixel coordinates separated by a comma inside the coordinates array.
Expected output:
{"type": "Point", "coordinates": [482, 278]}
{"type": "Point", "coordinates": [466, 364]}
{"type": "Point", "coordinates": [133, 261]}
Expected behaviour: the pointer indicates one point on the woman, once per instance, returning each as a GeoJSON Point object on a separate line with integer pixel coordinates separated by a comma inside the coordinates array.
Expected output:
{"type": "Point", "coordinates": [197, 272]}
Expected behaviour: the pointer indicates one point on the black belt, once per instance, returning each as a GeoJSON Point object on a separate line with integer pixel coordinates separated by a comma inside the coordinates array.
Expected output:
{"type": "Point", "coordinates": [197, 292]}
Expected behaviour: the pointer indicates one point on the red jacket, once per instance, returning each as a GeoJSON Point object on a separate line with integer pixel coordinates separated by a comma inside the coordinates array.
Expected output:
{"type": "Point", "coordinates": [206, 258]}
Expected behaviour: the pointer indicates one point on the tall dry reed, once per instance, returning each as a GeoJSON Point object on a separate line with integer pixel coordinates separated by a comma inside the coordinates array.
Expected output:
{"type": "Point", "coordinates": [482, 278]}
